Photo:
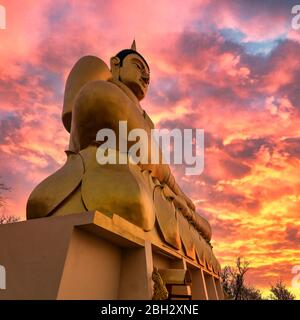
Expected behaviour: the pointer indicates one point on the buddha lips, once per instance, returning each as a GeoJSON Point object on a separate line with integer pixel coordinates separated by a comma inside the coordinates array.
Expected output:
{"type": "Point", "coordinates": [158, 146]}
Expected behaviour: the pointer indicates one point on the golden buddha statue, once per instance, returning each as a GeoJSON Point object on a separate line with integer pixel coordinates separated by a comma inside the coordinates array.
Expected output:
{"type": "Point", "coordinates": [147, 195]}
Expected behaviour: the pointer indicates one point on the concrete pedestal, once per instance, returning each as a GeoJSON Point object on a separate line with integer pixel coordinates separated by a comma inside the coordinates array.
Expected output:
{"type": "Point", "coordinates": [87, 256]}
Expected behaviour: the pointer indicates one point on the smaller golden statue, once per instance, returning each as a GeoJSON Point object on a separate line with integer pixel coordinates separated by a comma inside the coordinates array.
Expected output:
{"type": "Point", "coordinates": [160, 291]}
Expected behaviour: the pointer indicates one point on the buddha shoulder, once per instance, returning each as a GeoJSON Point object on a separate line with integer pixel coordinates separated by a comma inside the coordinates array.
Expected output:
{"type": "Point", "coordinates": [101, 91]}
{"type": "Point", "coordinates": [107, 98]}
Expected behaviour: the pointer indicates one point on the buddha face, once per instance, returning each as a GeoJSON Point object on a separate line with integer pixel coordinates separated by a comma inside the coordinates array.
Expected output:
{"type": "Point", "coordinates": [135, 74]}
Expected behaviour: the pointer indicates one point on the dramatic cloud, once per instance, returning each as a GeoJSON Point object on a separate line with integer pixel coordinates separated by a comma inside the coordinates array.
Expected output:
{"type": "Point", "coordinates": [231, 68]}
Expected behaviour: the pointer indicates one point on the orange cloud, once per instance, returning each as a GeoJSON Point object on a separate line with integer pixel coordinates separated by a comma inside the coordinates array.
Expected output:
{"type": "Point", "coordinates": [201, 77]}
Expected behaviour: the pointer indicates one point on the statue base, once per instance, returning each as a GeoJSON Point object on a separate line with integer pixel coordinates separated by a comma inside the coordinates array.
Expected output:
{"type": "Point", "coordinates": [92, 256]}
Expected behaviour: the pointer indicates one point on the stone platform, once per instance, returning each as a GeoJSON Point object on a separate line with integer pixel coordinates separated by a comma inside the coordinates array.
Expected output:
{"type": "Point", "coordinates": [91, 256]}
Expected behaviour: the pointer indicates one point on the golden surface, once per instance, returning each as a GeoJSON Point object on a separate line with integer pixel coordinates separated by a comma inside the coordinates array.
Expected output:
{"type": "Point", "coordinates": [175, 276]}
{"type": "Point", "coordinates": [160, 291]}
{"type": "Point", "coordinates": [49, 194]}
{"type": "Point", "coordinates": [165, 214]}
{"type": "Point", "coordinates": [117, 188]}
{"type": "Point", "coordinates": [146, 195]}
{"type": "Point", "coordinates": [86, 69]}
{"type": "Point", "coordinates": [185, 232]}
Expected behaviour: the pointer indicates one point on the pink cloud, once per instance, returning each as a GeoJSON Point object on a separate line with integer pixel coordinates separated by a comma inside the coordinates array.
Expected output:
{"type": "Point", "coordinates": [247, 104]}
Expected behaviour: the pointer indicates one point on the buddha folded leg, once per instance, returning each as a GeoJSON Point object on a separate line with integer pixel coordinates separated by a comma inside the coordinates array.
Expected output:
{"type": "Point", "coordinates": [55, 189]}
{"type": "Point", "coordinates": [117, 189]}
{"type": "Point", "coordinates": [72, 204]}
{"type": "Point", "coordinates": [111, 189]}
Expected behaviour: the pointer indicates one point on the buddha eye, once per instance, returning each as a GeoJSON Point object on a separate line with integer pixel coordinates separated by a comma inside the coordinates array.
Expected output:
{"type": "Point", "coordinates": [138, 66]}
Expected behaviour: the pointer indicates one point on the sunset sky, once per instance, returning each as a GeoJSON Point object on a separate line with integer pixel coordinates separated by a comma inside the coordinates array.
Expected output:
{"type": "Point", "coordinates": [231, 68]}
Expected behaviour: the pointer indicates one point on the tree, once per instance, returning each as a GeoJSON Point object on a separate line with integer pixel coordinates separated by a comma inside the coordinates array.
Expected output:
{"type": "Point", "coordinates": [241, 269]}
{"type": "Point", "coordinates": [280, 292]}
{"type": "Point", "coordinates": [8, 219]}
{"type": "Point", "coordinates": [4, 218]}
{"type": "Point", "coordinates": [233, 281]}
{"type": "Point", "coordinates": [251, 293]}
{"type": "Point", "coordinates": [3, 187]}
{"type": "Point", "coordinates": [227, 279]}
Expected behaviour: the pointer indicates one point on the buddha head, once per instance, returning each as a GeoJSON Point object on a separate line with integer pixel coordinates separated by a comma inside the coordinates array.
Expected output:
{"type": "Point", "coordinates": [129, 67]}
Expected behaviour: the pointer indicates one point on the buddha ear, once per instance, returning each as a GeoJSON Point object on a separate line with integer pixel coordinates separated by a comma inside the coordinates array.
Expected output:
{"type": "Point", "coordinates": [115, 66]}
